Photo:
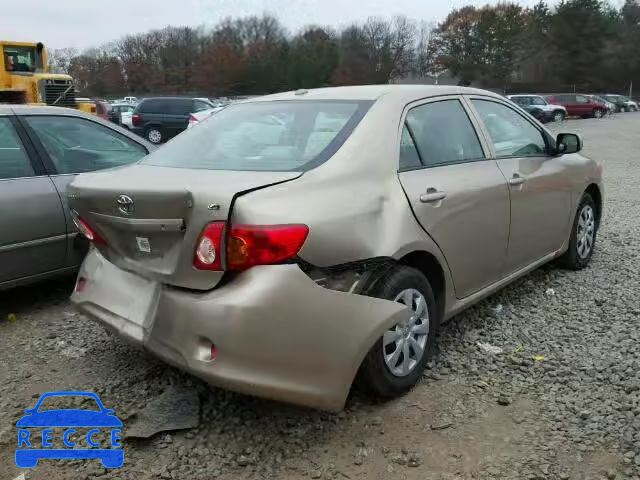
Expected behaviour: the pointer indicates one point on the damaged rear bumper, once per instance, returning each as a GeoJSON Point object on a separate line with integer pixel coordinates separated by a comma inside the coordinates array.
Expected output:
{"type": "Point", "coordinates": [277, 333]}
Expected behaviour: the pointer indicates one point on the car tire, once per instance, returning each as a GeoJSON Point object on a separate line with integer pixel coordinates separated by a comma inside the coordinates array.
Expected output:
{"type": "Point", "coordinates": [623, 109]}
{"type": "Point", "coordinates": [598, 113]}
{"type": "Point", "coordinates": [558, 116]}
{"type": "Point", "coordinates": [402, 284]}
{"type": "Point", "coordinates": [584, 229]}
{"type": "Point", "coordinates": [154, 135]}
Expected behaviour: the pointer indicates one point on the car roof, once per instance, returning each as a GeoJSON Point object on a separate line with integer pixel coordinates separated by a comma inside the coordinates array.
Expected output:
{"type": "Point", "coordinates": [373, 92]}
{"type": "Point", "coordinates": [525, 95]}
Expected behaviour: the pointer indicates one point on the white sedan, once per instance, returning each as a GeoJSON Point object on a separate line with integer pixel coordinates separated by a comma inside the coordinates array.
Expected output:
{"type": "Point", "coordinates": [197, 117]}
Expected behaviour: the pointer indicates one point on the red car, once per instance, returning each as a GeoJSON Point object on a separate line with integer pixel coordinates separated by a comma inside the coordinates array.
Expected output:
{"type": "Point", "coordinates": [579, 105]}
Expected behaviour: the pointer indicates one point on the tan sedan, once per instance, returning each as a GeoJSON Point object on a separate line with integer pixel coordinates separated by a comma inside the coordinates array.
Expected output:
{"type": "Point", "coordinates": [293, 242]}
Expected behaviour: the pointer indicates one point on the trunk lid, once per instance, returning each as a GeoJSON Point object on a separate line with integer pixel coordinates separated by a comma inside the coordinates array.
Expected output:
{"type": "Point", "coordinates": [151, 217]}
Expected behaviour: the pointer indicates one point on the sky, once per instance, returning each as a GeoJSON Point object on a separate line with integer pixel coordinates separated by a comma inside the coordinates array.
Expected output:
{"type": "Point", "coordinates": [88, 23]}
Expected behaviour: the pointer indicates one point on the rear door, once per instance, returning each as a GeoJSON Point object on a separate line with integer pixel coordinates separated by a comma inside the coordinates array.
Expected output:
{"type": "Point", "coordinates": [539, 184]}
{"type": "Point", "coordinates": [70, 145]}
{"type": "Point", "coordinates": [32, 222]}
{"type": "Point", "coordinates": [458, 195]}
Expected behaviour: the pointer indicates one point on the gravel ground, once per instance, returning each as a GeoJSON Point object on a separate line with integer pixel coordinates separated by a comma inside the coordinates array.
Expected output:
{"type": "Point", "coordinates": [560, 400]}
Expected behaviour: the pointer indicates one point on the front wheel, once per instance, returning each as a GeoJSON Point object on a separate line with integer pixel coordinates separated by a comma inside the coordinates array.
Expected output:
{"type": "Point", "coordinates": [558, 116]}
{"type": "Point", "coordinates": [583, 235]}
{"type": "Point", "coordinates": [623, 109]}
{"type": "Point", "coordinates": [396, 361]}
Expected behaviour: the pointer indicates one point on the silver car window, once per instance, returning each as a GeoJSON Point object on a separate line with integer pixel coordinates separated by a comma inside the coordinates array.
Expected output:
{"type": "Point", "coordinates": [76, 145]}
{"type": "Point", "coordinates": [14, 161]}
{"type": "Point", "coordinates": [511, 134]}
{"type": "Point", "coordinates": [443, 133]}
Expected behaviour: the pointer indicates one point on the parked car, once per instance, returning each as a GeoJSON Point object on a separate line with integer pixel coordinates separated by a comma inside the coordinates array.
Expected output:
{"type": "Point", "coordinates": [611, 107]}
{"type": "Point", "coordinates": [132, 100]}
{"type": "Point", "coordinates": [118, 110]}
{"type": "Point", "coordinates": [540, 108]}
{"type": "Point", "coordinates": [281, 257]}
{"type": "Point", "coordinates": [103, 109]}
{"type": "Point", "coordinates": [579, 105]}
{"type": "Point", "coordinates": [622, 103]}
{"type": "Point", "coordinates": [41, 150]}
{"type": "Point", "coordinates": [197, 117]}
{"type": "Point", "coordinates": [159, 119]}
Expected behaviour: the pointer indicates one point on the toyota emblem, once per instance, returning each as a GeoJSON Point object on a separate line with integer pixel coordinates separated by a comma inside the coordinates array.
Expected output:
{"type": "Point", "coordinates": [125, 204]}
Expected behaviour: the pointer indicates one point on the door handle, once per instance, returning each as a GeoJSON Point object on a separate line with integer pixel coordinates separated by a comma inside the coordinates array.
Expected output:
{"type": "Point", "coordinates": [432, 195]}
{"type": "Point", "coordinates": [516, 180]}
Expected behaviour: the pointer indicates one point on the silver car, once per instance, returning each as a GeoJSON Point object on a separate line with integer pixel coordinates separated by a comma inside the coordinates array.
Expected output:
{"type": "Point", "coordinates": [293, 242]}
{"type": "Point", "coordinates": [41, 151]}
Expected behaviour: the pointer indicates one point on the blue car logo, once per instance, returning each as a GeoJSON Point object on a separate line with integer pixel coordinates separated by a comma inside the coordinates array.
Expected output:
{"type": "Point", "coordinates": [28, 452]}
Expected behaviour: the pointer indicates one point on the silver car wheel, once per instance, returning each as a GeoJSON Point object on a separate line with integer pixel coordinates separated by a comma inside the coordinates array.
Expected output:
{"type": "Point", "coordinates": [154, 136]}
{"type": "Point", "coordinates": [586, 231]}
{"type": "Point", "coordinates": [403, 345]}
{"type": "Point", "coordinates": [558, 117]}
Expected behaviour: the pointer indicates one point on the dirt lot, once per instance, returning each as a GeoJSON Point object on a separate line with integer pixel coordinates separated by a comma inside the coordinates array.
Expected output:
{"type": "Point", "coordinates": [561, 401]}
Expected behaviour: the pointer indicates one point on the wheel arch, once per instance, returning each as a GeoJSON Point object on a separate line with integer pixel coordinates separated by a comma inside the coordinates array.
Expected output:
{"type": "Point", "coordinates": [596, 194]}
{"type": "Point", "coordinates": [430, 267]}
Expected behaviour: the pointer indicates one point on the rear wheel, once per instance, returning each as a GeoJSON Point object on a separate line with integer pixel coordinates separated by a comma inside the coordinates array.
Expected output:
{"type": "Point", "coordinates": [396, 361]}
{"type": "Point", "coordinates": [154, 135]}
{"type": "Point", "coordinates": [597, 113]}
{"type": "Point", "coordinates": [583, 235]}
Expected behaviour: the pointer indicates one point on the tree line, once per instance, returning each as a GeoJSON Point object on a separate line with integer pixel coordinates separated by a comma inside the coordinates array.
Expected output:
{"type": "Point", "coordinates": [583, 44]}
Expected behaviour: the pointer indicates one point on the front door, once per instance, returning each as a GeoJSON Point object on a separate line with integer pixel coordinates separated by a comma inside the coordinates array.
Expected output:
{"type": "Point", "coordinates": [458, 195]}
{"type": "Point", "coordinates": [32, 223]}
{"type": "Point", "coordinates": [539, 185]}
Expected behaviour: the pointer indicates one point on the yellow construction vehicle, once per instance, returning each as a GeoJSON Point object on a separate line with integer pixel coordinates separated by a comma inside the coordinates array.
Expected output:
{"type": "Point", "coordinates": [25, 77]}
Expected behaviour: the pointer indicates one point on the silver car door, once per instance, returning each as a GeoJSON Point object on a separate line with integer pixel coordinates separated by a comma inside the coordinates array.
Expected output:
{"type": "Point", "coordinates": [458, 195]}
{"type": "Point", "coordinates": [32, 223]}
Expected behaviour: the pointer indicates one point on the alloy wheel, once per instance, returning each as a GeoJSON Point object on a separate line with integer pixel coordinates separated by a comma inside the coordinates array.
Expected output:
{"type": "Point", "coordinates": [403, 345]}
{"type": "Point", "coordinates": [154, 136]}
{"type": "Point", "coordinates": [586, 231]}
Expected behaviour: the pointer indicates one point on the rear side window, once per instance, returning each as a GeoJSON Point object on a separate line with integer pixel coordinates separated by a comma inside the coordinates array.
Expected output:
{"type": "Point", "coordinates": [14, 161]}
{"type": "Point", "coordinates": [76, 145]}
{"type": "Point", "coordinates": [179, 107]}
{"type": "Point", "coordinates": [443, 133]}
{"type": "Point", "coordinates": [582, 99]}
{"type": "Point", "coordinates": [155, 105]}
{"type": "Point", "coordinates": [265, 136]}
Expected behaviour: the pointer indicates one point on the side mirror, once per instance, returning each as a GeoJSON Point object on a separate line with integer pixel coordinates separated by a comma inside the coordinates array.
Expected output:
{"type": "Point", "coordinates": [568, 143]}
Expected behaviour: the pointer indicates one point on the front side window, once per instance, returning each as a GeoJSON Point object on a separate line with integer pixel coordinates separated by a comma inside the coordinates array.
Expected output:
{"type": "Point", "coordinates": [76, 145]}
{"type": "Point", "coordinates": [511, 134]}
{"type": "Point", "coordinates": [265, 136]}
{"type": "Point", "coordinates": [14, 161]}
{"type": "Point", "coordinates": [538, 101]}
{"type": "Point", "coordinates": [443, 133]}
{"type": "Point", "coordinates": [19, 59]}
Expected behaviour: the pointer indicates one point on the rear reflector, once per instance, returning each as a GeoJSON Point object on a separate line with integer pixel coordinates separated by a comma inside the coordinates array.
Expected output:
{"type": "Point", "coordinates": [86, 230]}
{"type": "Point", "coordinates": [248, 245]}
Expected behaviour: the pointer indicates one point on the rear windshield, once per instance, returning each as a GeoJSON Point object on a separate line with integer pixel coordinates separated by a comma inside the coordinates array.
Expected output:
{"type": "Point", "coordinates": [265, 136]}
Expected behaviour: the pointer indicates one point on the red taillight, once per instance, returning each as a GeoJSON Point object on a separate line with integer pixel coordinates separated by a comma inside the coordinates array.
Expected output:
{"type": "Point", "coordinates": [209, 248]}
{"type": "Point", "coordinates": [136, 120]}
{"type": "Point", "coordinates": [87, 231]}
{"type": "Point", "coordinates": [192, 120]}
{"type": "Point", "coordinates": [248, 245]}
